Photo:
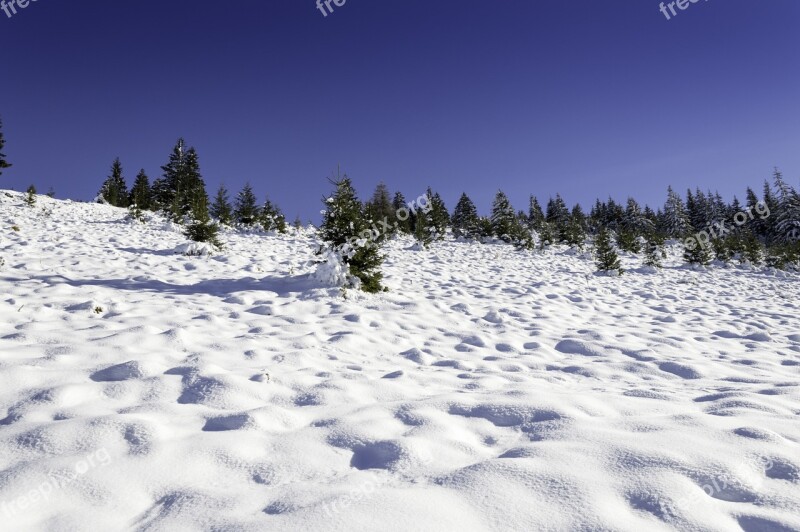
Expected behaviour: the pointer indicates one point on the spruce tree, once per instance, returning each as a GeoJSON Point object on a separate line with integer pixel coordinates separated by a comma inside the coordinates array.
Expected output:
{"type": "Point", "coordinates": [140, 192]}
{"type": "Point", "coordinates": [439, 215]}
{"type": "Point", "coordinates": [402, 213]}
{"type": "Point", "coordinates": [221, 208]}
{"type": "Point", "coordinates": [30, 199]}
{"type": "Point", "coordinates": [503, 217]}
{"type": "Point", "coordinates": [346, 233]}
{"type": "Point", "coordinates": [652, 254]}
{"type": "Point", "coordinates": [465, 219]}
{"type": "Point", "coordinates": [380, 210]}
{"type": "Point", "coordinates": [424, 227]}
{"type": "Point", "coordinates": [202, 228]}
{"type": "Point", "coordinates": [246, 210]}
{"type": "Point", "coordinates": [675, 219]}
{"type": "Point", "coordinates": [3, 162]}
{"type": "Point", "coordinates": [696, 253]}
{"type": "Point", "coordinates": [787, 224]}
{"type": "Point", "coordinates": [191, 202]}
{"type": "Point", "coordinates": [114, 190]}
{"type": "Point", "coordinates": [535, 214]}
{"type": "Point", "coordinates": [606, 257]}
{"type": "Point", "coordinates": [271, 217]}
{"type": "Point", "coordinates": [752, 250]}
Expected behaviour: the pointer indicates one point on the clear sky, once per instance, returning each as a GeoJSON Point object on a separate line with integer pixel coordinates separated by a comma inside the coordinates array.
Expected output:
{"type": "Point", "coordinates": [584, 97]}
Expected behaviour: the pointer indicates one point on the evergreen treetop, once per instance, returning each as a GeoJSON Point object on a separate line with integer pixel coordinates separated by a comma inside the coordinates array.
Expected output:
{"type": "Point", "coordinates": [3, 162]}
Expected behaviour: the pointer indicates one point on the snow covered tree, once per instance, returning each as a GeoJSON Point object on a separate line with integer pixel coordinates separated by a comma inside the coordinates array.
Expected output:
{"type": "Point", "coordinates": [535, 214]}
{"type": "Point", "coordinates": [424, 226]}
{"type": "Point", "coordinates": [30, 199]}
{"type": "Point", "coordinates": [3, 162]}
{"type": "Point", "coordinates": [675, 219]}
{"type": "Point", "coordinates": [465, 219]}
{"type": "Point", "coordinates": [140, 192]}
{"type": "Point", "coordinates": [503, 217]}
{"type": "Point", "coordinates": [573, 233]}
{"type": "Point", "coordinates": [403, 215]}
{"type": "Point", "coordinates": [246, 210]}
{"type": "Point", "coordinates": [114, 190]}
{"type": "Point", "coordinates": [221, 208]}
{"type": "Point", "coordinates": [348, 236]}
{"type": "Point", "coordinates": [606, 257]}
{"type": "Point", "coordinates": [652, 254]}
{"type": "Point", "coordinates": [695, 252]}
{"type": "Point", "coordinates": [271, 217]}
{"type": "Point", "coordinates": [787, 225]}
{"type": "Point", "coordinates": [202, 228]}
{"type": "Point", "coordinates": [439, 215]}
{"type": "Point", "coordinates": [167, 190]}
{"type": "Point", "coordinates": [752, 250]}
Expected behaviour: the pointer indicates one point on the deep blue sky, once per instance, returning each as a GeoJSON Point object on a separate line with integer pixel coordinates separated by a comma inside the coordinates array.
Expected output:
{"type": "Point", "coordinates": [586, 97]}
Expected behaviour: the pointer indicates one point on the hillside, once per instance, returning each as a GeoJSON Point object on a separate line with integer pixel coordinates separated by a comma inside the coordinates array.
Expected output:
{"type": "Point", "coordinates": [489, 389]}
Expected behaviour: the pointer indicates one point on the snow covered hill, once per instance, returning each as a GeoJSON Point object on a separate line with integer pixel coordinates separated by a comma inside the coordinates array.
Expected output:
{"type": "Point", "coordinates": [490, 389]}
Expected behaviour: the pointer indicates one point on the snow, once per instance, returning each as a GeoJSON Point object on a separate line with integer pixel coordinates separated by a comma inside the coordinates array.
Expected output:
{"type": "Point", "coordinates": [489, 389]}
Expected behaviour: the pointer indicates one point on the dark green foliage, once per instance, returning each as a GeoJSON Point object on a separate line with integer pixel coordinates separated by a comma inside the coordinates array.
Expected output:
{"type": "Point", "coordinates": [439, 216]}
{"type": "Point", "coordinates": [547, 235]}
{"type": "Point", "coordinates": [504, 219]}
{"type": "Point", "coordinates": [381, 212]}
{"type": "Point", "coordinates": [653, 254]}
{"type": "Point", "coordinates": [573, 233]}
{"type": "Point", "coordinates": [403, 216]}
{"type": "Point", "coordinates": [628, 241]}
{"type": "Point", "coordinates": [606, 256]}
{"type": "Point", "coordinates": [271, 217]}
{"type": "Point", "coordinates": [465, 219]}
{"type": "Point", "coordinates": [345, 231]}
{"type": "Point", "coordinates": [221, 209]}
{"type": "Point", "coordinates": [114, 190]}
{"type": "Point", "coordinates": [181, 190]}
{"type": "Point", "coordinates": [202, 228]}
{"type": "Point", "coordinates": [723, 249]}
{"type": "Point", "coordinates": [535, 215]}
{"type": "Point", "coordinates": [30, 199]}
{"type": "Point", "coordinates": [424, 227]}
{"type": "Point", "coordinates": [246, 211]}
{"type": "Point", "coordinates": [696, 253]}
{"type": "Point", "coordinates": [485, 229]}
{"type": "Point", "coordinates": [3, 162]}
{"type": "Point", "coordinates": [140, 193]}
{"type": "Point", "coordinates": [674, 222]}
{"type": "Point", "coordinates": [751, 248]}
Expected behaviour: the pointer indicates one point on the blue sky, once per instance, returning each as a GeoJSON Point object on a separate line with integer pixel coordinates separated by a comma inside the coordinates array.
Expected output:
{"type": "Point", "coordinates": [587, 98]}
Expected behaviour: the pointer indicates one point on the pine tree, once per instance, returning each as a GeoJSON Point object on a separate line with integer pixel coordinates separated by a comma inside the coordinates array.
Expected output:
{"type": "Point", "coordinates": [30, 199]}
{"type": "Point", "coordinates": [202, 228]}
{"type": "Point", "coordinates": [769, 223]}
{"type": "Point", "coordinates": [346, 233]}
{"type": "Point", "coordinates": [503, 217]}
{"type": "Point", "coordinates": [221, 208]}
{"type": "Point", "coordinates": [271, 217]}
{"type": "Point", "coordinates": [169, 191]}
{"type": "Point", "coordinates": [402, 214]}
{"type": "Point", "coordinates": [114, 190]}
{"type": "Point", "coordinates": [696, 253]}
{"type": "Point", "coordinates": [675, 219]}
{"type": "Point", "coordinates": [465, 219]}
{"type": "Point", "coordinates": [246, 211]}
{"type": "Point", "coordinates": [3, 162]}
{"type": "Point", "coordinates": [140, 192]}
{"type": "Point", "coordinates": [752, 250]}
{"type": "Point", "coordinates": [380, 210]}
{"type": "Point", "coordinates": [535, 214]}
{"type": "Point", "coordinates": [424, 226]}
{"type": "Point", "coordinates": [606, 257]}
{"type": "Point", "coordinates": [787, 225]}
{"type": "Point", "coordinates": [439, 216]}
{"type": "Point", "coordinates": [652, 254]}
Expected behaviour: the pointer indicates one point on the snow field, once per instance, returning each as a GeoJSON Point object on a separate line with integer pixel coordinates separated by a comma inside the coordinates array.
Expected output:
{"type": "Point", "coordinates": [490, 389]}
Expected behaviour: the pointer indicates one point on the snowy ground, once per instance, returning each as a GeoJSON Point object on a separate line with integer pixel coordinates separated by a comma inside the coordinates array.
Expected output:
{"type": "Point", "coordinates": [488, 390]}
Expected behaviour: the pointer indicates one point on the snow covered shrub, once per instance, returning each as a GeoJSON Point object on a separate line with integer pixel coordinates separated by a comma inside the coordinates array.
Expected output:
{"type": "Point", "coordinates": [606, 256]}
{"type": "Point", "coordinates": [271, 218]}
{"type": "Point", "coordinates": [348, 239]}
